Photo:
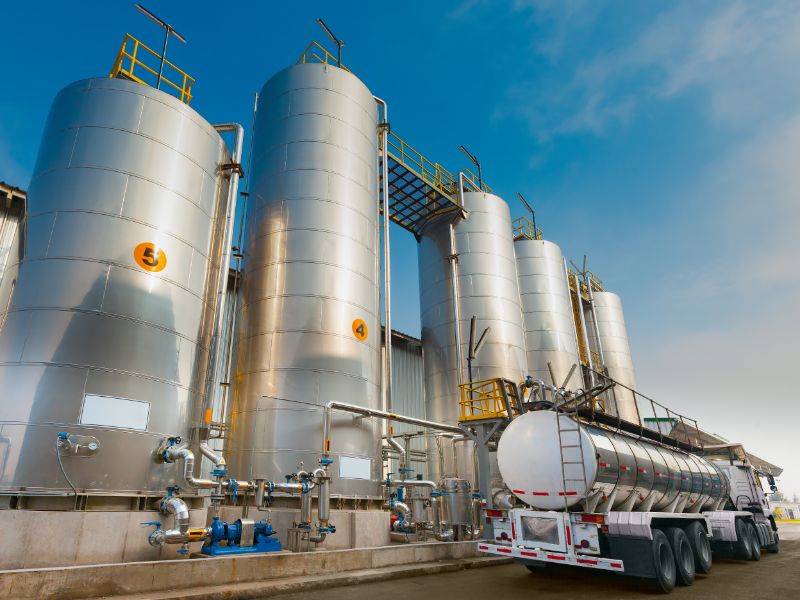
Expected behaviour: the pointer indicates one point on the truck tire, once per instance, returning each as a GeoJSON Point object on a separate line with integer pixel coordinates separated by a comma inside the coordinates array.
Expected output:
{"type": "Point", "coordinates": [701, 547]}
{"type": "Point", "coordinates": [756, 549]}
{"type": "Point", "coordinates": [742, 547]}
{"type": "Point", "coordinates": [684, 557]}
{"type": "Point", "coordinates": [776, 547]}
{"type": "Point", "coordinates": [663, 562]}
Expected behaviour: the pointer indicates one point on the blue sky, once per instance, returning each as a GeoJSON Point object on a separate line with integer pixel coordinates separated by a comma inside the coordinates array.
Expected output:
{"type": "Point", "coordinates": [659, 138]}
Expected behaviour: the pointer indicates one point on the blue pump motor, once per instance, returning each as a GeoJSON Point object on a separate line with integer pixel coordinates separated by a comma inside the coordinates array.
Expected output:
{"type": "Point", "coordinates": [226, 538]}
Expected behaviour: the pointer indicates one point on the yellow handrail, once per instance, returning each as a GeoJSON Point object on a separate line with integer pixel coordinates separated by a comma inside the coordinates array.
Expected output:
{"type": "Point", "coordinates": [486, 399]}
{"type": "Point", "coordinates": [127, 68]}
{"type": "Point", "coordinates": [524, 229]}
{"type": "Point", "coordinates": [315, 52]}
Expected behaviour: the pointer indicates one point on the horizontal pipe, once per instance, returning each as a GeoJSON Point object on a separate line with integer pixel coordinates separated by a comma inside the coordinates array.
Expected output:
{"type": "Point", "coordinates": [174, 453]}
{"type": "Point", "coordinates": [381, 414]}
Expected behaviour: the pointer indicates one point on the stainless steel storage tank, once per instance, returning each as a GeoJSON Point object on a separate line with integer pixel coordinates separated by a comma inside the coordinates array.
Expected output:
{"type": "Point", "coordinates": [109, 325]}
{"type": "Point", "coordinates": [309, 326]}
{"type": "Point", "coordinates": [616, 351]}
{"type": "Point", "coordinates": [488, 289]}
{"type": "Point", "coordinates": [547, 313]}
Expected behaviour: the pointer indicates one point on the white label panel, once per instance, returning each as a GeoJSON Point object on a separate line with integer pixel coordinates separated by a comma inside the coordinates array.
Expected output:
{"type": "Point", "coordinates": [110, 411]}
{"type": "Point", "coordinates": [351, 467]}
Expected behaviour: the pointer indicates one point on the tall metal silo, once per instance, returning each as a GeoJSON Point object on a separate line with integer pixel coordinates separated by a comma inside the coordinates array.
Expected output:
{"type": "Point", "coordinates": [309, 325]}
{"type": "Point", "coordinates": [615, 350]}
{"type": "Point", "coordinates": [487, 289]}
{"type": "Point", "coordinates": [547, 313]}
{"type": "Point", "coordinates": [108, 331]}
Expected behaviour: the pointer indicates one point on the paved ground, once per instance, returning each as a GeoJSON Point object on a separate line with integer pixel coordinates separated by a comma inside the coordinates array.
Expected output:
{"type": "Point", "coordinates": [776, 576]}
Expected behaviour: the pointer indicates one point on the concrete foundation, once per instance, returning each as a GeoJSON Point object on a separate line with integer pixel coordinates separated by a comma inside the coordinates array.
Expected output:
{"type": "Point", "coordinates": [241, 577]}
{"type": "Point", "coordinates": [53, 538]}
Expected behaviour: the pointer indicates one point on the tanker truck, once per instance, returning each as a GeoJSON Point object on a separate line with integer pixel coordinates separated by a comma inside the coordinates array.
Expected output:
{"type": "Point", "coordinates": [599, 498]}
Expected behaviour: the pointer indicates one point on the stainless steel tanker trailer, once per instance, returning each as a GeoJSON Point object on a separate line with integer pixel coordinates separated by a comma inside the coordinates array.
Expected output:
{"type": "Point", "coordinates": [606, 499]}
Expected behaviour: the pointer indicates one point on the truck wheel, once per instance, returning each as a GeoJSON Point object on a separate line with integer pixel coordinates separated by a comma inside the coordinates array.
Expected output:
{"type": "Point", "coordinates": [701, 547]}
{"type": "Point", "coordinates": [776, 547]}
{"type": "Point", "coordinates": [756, 549]}
{"type": "Point", "coordinates": [742, 547]}
{"type": "Point", "coordinates": [663, 562]}
{"type": "Point", "coordinates": [684, 557]}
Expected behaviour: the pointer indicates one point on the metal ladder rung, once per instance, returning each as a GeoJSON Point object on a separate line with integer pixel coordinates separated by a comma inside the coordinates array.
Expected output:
{"type": "Point", "coordinates": [571, 446]}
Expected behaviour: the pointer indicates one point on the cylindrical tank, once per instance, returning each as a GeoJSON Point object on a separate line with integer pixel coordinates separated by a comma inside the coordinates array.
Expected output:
{"type": "Point", "coordinates": [547, 312]}
{"type": "Point", "coordinates": [616, 352]}
{"type": "Point", "coordinates": [621, 471]}
{"type": "Point", "coordinates": [456, 495]}
{"type": "Point", "coordinates": [487, 289]}
{"type": "Point", "coordinates": [309, 326]}
{"type": "Point", "coordinates": [109, 325]}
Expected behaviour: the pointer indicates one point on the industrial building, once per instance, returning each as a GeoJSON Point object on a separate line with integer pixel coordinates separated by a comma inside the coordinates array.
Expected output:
{"type": "Point", "coordinates": [180, 385]}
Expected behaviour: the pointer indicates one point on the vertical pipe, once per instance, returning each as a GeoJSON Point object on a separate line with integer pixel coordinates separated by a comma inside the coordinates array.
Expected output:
{"type": "Point", "coordinates": [456, 303]}
{"type": "Point", "coordinates": [585, 333]}
{"type": "Point", "coordinates": [587, 382]}
{"type": "Point", "coordinates": [387, 267]}
{"type": "Point", "coordinates": [227, 238]}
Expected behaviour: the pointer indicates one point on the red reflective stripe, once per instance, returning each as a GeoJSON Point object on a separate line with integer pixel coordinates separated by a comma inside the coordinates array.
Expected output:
{"type": "Point", "coordinates": [483, 547]}
{"type": "Point", "coordinates": [623, 468]}
{"type": "Point", "coordinates": [658, 474]}
{"type": "Point", "coordinates": [540, 493]}
{"type": "Point", "coordinates": [685, 478]}
{"type": "Point", "coordinates": [518, 491]}
{"type": "Point", "coordinates": [529, 554]}
{"type": "Point", "coordinates": [603, 464]}
{"type": "Point", "coordinates": [569, 536]}
{"type": "Point", "coordinates": [585, 561]}
{"type": "Point", "coordinates": [505, 550]}
{"type": "Point", "coordinates": [642, 471]}
{"type": "Point", "coordinates": [616, 565]}
{"type": "Point", "coordinates": [556, 557]}
{"type": "Point", "coordinates": [567, 493]}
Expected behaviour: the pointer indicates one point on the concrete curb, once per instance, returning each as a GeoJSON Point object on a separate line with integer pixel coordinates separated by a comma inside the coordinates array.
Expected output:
{"type": "Point", "coordinates": [274, 587]}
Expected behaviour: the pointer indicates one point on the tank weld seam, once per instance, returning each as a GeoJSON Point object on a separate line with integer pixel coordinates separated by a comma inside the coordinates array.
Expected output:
{"type": "Point", "coordinates": [88, 311]}
{"type": "Point", "coordinates": [140, 90]}
{"type": "Point", "coordinates": [340, 300]}
{"type": "Point", "coordinates": [200, 297]}
{"type": "Point", "coordinates": [103, 369]}
{"type": "Point", "coordinates": [308, 369]}
{"type": "Point", "coordinates": [368, 110]}
{"type": "Point", "coordinates": [262, 266]}
{"type": "Point", "coordinates": [129, 174]}
{"type": "Point", "coordinates": [344, 149]}
{"type": "Point", "coordinates": [315, 332]}
{"type": "Point", "coordinates": [442, 324]}
{"type": "Point", "coordinates": [278, 201]}
{"type": "Point", "coordinates": [275, 173]}
{"type": "Point", "coordinates": [122, 218]}
{"type": "Point", "coordinates": [370, 248]}
{"type": "Point", "coordinates": [348, 123]}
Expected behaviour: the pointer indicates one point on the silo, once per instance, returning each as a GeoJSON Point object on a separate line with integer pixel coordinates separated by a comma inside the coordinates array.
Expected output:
{"type": "Point", "coordinates": [309, 326]}
{"type": "Point", "coordinates": [615, 350]}
{"type": "Point", "coordinates": [108, 330]}
{"type": "Point", "coordinates": [547, 313]}
{"type": "Point", "coordinates": [487, 289]}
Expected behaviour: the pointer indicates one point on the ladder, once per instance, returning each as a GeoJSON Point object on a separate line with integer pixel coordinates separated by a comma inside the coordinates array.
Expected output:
{"type": "Point", "coordinates": [566, 445]}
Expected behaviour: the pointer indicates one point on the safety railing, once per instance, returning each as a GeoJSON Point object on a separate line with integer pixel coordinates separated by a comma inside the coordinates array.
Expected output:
{"type": "Point", "coordinates": [315, 52]}
{"type": "Point", "coordinates": [431, 172]}
{"type": "Point", "coordinates": [489, 399]}
{"type": "Point", "coordinates": [524, 229]}
{"type": "Point", "coordinates": [132, 64]}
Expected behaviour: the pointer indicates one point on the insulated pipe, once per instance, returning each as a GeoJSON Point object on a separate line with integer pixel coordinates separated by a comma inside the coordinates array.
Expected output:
{"type": "Point", "coordinates": [453, 258]}
{"type": "Point", "coordinates": [177, 507]}
{"type": "Point", "coordinates": [174, 453]}
{"type": "Point", "coordinates": [400, 449]}
{"type": "Point", "coordinates": [222, 284]}
{"type": "Point", "coordinates": [443, 535]}
{"type": "Point", "coordinates": [216, 459]}
{"type": "Point", "coordinates": [387, 267]}
{"type": "Point", "coordinates": [371, 412]}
